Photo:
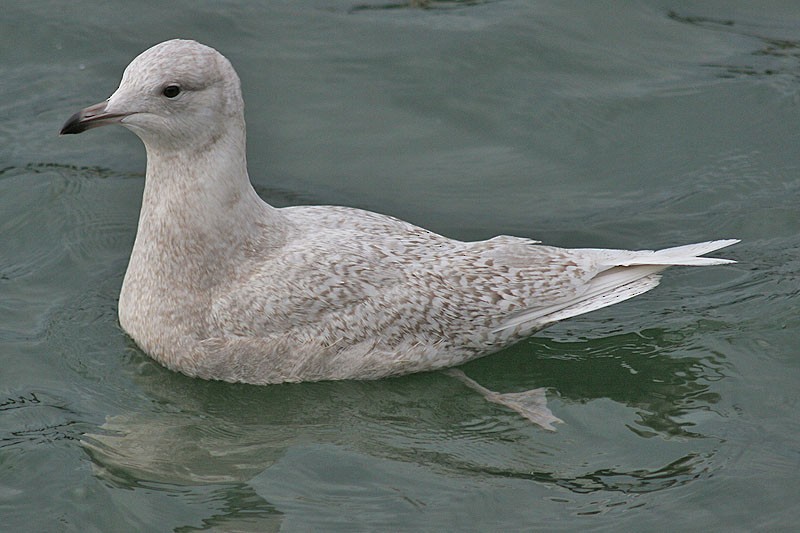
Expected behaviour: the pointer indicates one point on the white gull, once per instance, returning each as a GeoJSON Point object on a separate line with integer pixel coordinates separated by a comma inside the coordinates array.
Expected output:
{"type": "Point", "coordinates": [221, 285]}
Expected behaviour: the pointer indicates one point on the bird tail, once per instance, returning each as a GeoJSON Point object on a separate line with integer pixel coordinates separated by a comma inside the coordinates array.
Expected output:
{"type": "Point", "coordinates": [687, 255]}
{"type": "Point", "coordinates": [626, 274]}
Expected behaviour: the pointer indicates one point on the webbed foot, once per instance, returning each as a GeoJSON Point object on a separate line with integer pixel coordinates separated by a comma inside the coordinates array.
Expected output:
{"type": "Point", "coordinates": [531, 404]}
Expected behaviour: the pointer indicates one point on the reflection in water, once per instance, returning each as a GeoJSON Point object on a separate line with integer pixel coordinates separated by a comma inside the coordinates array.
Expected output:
{"type": "Point", "coordinates": [775, 56]}
{"type": "Point", "coordinates": [679, 472]}
{"type": "Point", "coordinates": [30, 419]}
{"type": "Point", "coordinates": [242, 510]}
{"type": "Point", "coordinates": [633, 369]}
{"type": "Point", "coordinates": [207, 433]}
{"type": "Point", "coordinates": [417, 4]}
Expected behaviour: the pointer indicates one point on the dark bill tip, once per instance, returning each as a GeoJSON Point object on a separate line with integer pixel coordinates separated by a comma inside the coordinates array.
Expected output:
{"type": "Point", "coordinates": [90, 117]}
{"type": "Point", "coordinates": [74, 124]}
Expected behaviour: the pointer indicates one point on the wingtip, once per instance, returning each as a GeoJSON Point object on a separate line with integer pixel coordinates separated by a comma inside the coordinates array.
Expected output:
{"type": "Point", "coordinates": [727, 242]}
{"type": "Point", "coordinates": [718, 245]}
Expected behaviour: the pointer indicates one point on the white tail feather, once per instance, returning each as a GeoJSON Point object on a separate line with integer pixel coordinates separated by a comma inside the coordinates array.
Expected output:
{"type": "Point", "coordinates": [626, 274]}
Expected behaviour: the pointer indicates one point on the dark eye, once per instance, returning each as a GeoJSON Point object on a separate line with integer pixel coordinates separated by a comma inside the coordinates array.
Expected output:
{"type": "Point", "coordinates": [171, 91]}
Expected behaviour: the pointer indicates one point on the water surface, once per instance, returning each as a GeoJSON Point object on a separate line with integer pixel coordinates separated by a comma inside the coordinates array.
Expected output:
{"type": "Point", "coordinates": [627, 124]}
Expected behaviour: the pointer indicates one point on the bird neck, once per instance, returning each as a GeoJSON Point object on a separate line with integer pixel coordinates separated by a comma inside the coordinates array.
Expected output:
{"type": "Point", "coordinates": [200, 215]}
{"type": "Point", "coordinates": [204, 187]}
{"type": "Point", "coordinates": [198, 206]}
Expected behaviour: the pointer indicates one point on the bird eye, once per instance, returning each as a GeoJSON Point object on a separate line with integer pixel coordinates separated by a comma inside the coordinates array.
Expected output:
{"type": "Point", "coordinates": [171, 91]}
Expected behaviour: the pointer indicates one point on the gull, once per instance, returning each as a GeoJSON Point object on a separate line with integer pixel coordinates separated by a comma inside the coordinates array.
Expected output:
{"type": "Point", "coordinates": [221, 285]}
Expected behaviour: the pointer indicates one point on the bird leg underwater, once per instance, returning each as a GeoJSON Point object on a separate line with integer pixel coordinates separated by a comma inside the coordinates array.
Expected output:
{"type": "Point", "coordinates": [531, 404]}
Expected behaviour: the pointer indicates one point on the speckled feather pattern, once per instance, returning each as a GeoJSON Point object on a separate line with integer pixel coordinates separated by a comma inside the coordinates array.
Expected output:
{"type": "Point", "coordinates": [221, 285]}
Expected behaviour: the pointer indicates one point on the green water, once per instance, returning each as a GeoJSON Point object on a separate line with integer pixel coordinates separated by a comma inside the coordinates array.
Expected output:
{"type": "Point", "coordinates": [615, 124]}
